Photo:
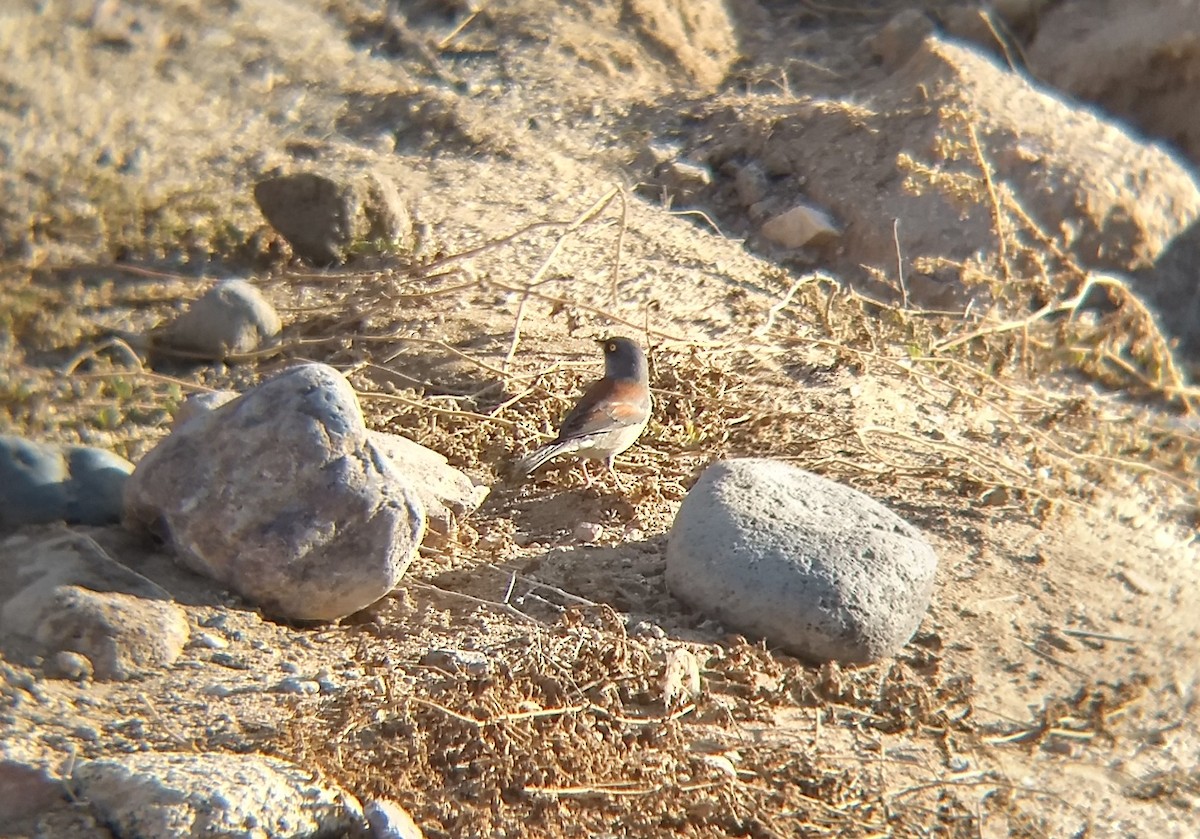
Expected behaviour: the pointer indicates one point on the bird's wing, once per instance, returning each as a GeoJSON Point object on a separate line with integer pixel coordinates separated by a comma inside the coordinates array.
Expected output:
{"type": "Point", "coordinates": [606, 406]}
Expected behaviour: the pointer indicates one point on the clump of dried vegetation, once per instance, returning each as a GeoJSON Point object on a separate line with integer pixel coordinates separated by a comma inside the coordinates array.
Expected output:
{"type": "Point", "coordinates": [568, 731]}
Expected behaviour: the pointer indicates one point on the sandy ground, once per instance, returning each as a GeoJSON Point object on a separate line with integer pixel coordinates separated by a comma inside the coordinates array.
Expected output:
{"type": "Point", "coordinates": [1050, 692]}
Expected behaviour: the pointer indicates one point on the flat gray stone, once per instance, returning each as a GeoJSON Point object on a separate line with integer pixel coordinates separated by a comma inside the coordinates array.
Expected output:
{"type": "Point", "coordinates": [448, 494]}
{"type": "Point", "coordinates": [280, 495]}
{"type": "Point", "coordinates": [64, 594]}
{"type": "Point", "coordinates": [198, 796]}
{"type": "Point", "coordinates": [819, 570]}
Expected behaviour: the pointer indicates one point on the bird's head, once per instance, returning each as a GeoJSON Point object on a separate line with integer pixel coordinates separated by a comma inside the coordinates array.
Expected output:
{"type": "Point", "coordinates": [624, 359]}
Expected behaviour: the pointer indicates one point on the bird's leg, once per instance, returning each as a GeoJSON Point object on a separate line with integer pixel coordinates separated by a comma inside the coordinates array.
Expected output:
{"type": "Point", "coordinates": [587, 478]}
{"type": "Point", "coordinates": [608, 464]}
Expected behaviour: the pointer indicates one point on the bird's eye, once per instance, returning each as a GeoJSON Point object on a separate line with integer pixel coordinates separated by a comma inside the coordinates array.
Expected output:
{"type": "Point", "coordinates": [611, 347]}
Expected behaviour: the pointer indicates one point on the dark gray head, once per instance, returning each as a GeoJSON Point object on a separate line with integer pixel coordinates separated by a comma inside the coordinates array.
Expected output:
{"type": "Point", "coordinates": [623, 359]}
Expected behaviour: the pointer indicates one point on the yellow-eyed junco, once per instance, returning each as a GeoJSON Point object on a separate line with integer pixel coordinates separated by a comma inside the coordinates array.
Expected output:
{"type": "Point", "coordinates": [610, 415]}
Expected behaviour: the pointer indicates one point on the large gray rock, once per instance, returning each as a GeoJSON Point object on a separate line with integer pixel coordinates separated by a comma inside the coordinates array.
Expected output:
{"type": "Point", "coordinates": [45, 482]}
{"type": "Point", "coordinates": [65, 594]}
{"type": "Point", "coordinates": [190, 796]}
{"type": "Point", "coordinates": [447, 494]}
{"type": "Point", "coordinates": [232, 317]}
{"type": "Point", "coordinates": [280, 495]}
{"type": "Point", "coordinates": [816, 568]}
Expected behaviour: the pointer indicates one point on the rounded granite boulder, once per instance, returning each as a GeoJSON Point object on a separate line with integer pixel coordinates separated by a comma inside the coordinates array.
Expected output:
{"type": "Point", "coordinates": [816, 568]}
{"type": "Point", "coordinates": [281, 495]}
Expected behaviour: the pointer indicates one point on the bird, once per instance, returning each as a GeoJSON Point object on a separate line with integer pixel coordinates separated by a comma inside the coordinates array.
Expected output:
{"type": "Point", "coordinates": [610, 415]}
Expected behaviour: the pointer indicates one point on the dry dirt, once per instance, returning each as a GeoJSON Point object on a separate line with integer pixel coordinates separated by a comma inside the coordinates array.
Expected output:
{"type": "Point", "coordinates": [1052, 690]}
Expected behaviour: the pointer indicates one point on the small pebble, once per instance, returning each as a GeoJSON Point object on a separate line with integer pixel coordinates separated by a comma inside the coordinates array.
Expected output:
{"type": "Point", "coordinates": [304, 687]}
{"type": "Point", "coordinates": [67, 664]}
{"type": "Point", "coordinates": [493, 541]}
{"type": "Point", "coordinates": [230, 661]}
{"type": "Point", "coordinates": [683, 179]}
{"type": "Point", "coordinates": [458, 661]}
{"type": "Point", "coordinates": [221, 691]}
{"type": "Point", "coordinates": [721, 764]}
{"type": "Point", "coordinates": [647, 629]}
{"type": "Point", "coordinates": [588, 532]}
{"type": "Point", "coordinates": [87, 733]}
{"type": "Point", "coordinates": [327, 682]}
{"type": "Point", "coordinates": [208, 641]}
{"type": "Point", "coordinates": [750, 182]}
{"type": "Point", "coordinates": [799, 226]}
{"type": "Point", "coordinates": [388, 820]}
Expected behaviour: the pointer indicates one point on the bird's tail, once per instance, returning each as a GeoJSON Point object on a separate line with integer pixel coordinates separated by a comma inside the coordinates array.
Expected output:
{"type": "Point", "coordinates": [540, 455]}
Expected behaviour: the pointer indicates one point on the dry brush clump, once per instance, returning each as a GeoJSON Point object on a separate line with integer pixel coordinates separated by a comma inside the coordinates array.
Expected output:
{"type": "Point", "coordinates": [1053, 326]}
{"type": "Point", "coordinates": [1053, 314]}
{"type": "Point", "coordinates": [1058, 440]}
{"type": "Point", "coordinates": [568, 730]}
